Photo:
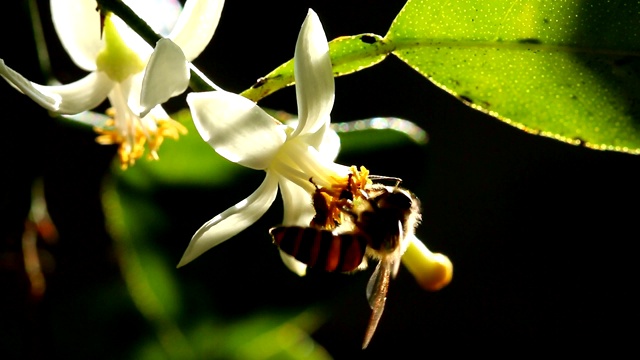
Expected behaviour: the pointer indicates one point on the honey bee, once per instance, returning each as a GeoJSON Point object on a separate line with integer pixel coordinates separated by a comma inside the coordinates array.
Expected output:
{"type": "Point", "coordinates": [318, 245]}
{"type": "Point", "coordinates": [379, 220]}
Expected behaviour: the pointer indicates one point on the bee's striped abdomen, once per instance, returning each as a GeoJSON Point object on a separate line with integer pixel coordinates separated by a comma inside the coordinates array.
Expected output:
{"type": "Point", "coordinates": [321, 248]}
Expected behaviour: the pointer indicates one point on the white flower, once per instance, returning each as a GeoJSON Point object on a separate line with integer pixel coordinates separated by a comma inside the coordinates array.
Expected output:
{"type": "Point", "coordinates": [116, 61]}
{"type": "Point", "coordinates": [242, 132]}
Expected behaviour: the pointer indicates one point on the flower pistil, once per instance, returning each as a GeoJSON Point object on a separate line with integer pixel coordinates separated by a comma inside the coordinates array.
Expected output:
{"type": "Point", "coordinates": [116, 59]}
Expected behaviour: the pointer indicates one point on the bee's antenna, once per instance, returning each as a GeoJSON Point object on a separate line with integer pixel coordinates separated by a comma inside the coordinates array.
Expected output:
{"type": "Point", "coordinates": [386, 178]}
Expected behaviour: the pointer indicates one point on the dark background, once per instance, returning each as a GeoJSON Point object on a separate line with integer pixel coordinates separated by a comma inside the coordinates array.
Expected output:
{"type": "Point", "coordinates": [541, 233]}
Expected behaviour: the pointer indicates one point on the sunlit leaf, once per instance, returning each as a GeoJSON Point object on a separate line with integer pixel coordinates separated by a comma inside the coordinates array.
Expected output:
{"type": "Point", "coordinates": [569, 70]}
{"type": "Point", "coordinates": [564, 69]}
{"type": "Point", "coordinates": [348, 54]}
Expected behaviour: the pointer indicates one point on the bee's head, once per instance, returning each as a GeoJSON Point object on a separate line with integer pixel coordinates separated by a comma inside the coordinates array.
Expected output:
{"type": "Point", "coordinates": [396, 198]}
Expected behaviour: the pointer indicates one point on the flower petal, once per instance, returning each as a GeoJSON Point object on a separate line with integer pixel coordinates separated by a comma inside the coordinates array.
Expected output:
{"type": "Point", "coordinates": [236, 128]}
{"type": "Point", "coordinates": [233, 220]}
{"type": "Point", "coordinates": [294, 265]}
{"type": "Point", "coordinates": [325, 140]}
{"type": "Point", "coordinates": [330, 144]}
{"type": "Point", "coordinates": [92, 118]}
{"type": "Point", "coordinates": [84, 94]}
{"type": "Point", "coordinates": [167, 75]}
{"type": "Point", "coordinates": [132, 87]}
{"type": "Point", "coordinates": [298, 207]}
{"type": "Point", "coordinates": [77, 23]}
{"type": "Point", "coordinates": [196, 25]}
{"type": "Point", "coordinates": [315, 91]}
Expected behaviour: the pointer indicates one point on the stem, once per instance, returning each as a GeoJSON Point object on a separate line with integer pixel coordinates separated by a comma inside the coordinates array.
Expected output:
{"type": "Point", "coordinates": [41, 44]}
{"type": "Point", "coordinates": [198, 82]}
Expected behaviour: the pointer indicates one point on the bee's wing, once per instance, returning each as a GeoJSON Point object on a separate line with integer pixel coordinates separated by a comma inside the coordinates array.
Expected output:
{"type": "Point", "coordinates": [377, 296]}
{"type": "Point", "coordinates": [395, 264]}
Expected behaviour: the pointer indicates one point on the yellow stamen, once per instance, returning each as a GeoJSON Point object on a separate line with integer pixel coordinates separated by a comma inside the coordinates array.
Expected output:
{"type": "Point", "coordinates": [354, 183]}
{"type": "Point", "coordinates": [341, 195]}
{"type": "Point", "coordinates": [133, 149]}
{"type": "Point", "coordinates": [166, 128]}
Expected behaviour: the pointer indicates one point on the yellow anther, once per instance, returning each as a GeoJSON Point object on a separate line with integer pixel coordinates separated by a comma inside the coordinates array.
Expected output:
{"type": "Point", "coordinates": [334, 205]}
{"type": "Point", "coordinates": [132, 146]}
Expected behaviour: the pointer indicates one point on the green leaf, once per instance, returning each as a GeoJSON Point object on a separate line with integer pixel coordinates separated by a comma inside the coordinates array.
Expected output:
{"type": "Point", "coordinates": [568, 70]}
{"type": "Point", "coordinates": [348, 54]}
{"type": "Point", "coordinates": [564, 69]}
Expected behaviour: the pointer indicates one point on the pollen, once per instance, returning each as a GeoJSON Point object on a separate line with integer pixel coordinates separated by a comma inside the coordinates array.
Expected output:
{"type": "Point", "coordinates": [333, 205]}
{"type": "Point", "coordinates": [352, 186]}
{"type": "Point", "coordinates": [134, 138]}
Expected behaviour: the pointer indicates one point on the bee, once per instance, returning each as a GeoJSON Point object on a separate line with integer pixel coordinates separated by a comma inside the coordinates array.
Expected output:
{"type": "Point", "coordinates": [317, 245]}
{"type": "Point", "coordinates": [379, 222]}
